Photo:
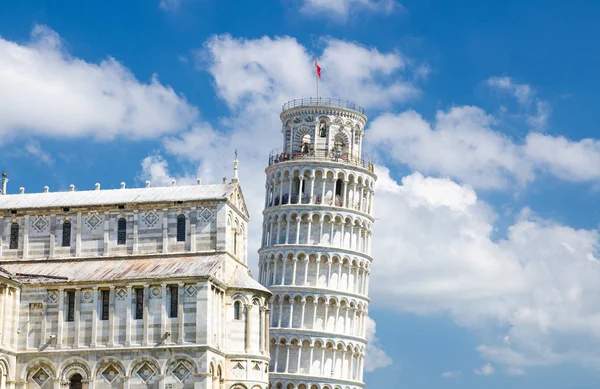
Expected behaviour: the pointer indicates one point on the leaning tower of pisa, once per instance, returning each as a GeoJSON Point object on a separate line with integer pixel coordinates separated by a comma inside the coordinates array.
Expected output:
{"type": "Point", "coordinates": [316, 246]}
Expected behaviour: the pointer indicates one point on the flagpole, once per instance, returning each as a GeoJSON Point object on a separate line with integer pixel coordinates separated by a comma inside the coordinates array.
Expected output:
{"type": "Point", "coordinates": [317, 76]}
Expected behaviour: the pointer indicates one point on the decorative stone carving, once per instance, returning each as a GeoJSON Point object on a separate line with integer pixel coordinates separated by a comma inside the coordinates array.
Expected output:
{"type": "Point", "coordinates": [205, 214]}
{"type": "Point", "coordinates": [145, 372]}
{"type": "Point", "coordinates": [110, 373]}
{"type": "Point", "coordinates": [40, 224]}
{"type": "Point", "coordinates": [121, 293]}
{"type": "Point", "coordinates": [150, 218]}
{"type": "Point", "coordinates": [155, 292]}
{"type": "Point", "coordinates": [41, 376]}
{"type": "Point", "coordinates": [86, 296]}
{"type": "Point", "coordinates": [190, 290]}
{"type": "Point", "coordinates": [52, 296]}
{"type": "Point", "coordinates": [180, 371]}
{"type": "Point", "coordinates": [93, 220]}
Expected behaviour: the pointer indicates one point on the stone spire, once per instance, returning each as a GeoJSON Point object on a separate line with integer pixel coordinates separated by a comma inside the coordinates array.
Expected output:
{"type": "Point", "coordinates": [235, 168]}
{"type": "Point", "coordinates": [4, 182]}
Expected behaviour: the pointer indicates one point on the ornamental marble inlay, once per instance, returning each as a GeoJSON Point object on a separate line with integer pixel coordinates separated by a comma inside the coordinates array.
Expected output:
{"type": "Point", "coordinates": [110, 373]}
{"type": "Point", "coordinates": [41, 376]}
{"type": "Point", "coordinates": [181, 371]}
{"type": "Point", "coordinates": [145, 372]}
{"type": "Point", "coordinates": [206, 214]}
{"type": "Point", "coordinates": [52, 296]}
{"type": "Point", "coordinates": [150, 218]}
{"type": "Point", "coordinates": [155, 292]}
{"type": "Point", "coordinates": [86, 296]}
{"type": "Point", "coordinates": [40, 224]}
{"type": "Point", "coordinates": [93, 221]}
{"type": "Point", "coordinates": [190, 290]}
{"type": "Point", "coordinates": [121, 293]}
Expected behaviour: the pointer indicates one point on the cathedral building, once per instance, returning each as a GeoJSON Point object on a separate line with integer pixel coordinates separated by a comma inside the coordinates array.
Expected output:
{"type": "Point", "coordinates": [316, 246]}
{"type": "Point", "coordinates": [149, 288]}
{"type": "Point", "coordinates": [130, 289]}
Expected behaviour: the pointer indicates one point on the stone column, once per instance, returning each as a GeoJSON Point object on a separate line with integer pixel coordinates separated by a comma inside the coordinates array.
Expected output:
{"type": "Point", "coordinates": [291, 321]}
{"type": "Point", "coordinates": [294, 262]}
{"type": "Point", "coordinates": [248, 342]}
{"type": "Point", "coordinates": [78, 234]}
{"type": "Point", "coordinates": [26, 237]}
{"type": "Point", "coordinates": [61, 320]}
{"type": "Point", "coordinates": [280, 312]}
{"type": "Point", "coordinates": [297, 230]}
{"type": "Point", "coordinates": [163, 312]}
{"type": "Point", "coordinates": [17, 310]}
{"type": "Point", "coordinates": [165, 232]}
{"type": "Point", "coordinates": [283, 271]}
{"type": "Point", "coordinates": [261, 330]}
{"type": "Point", "coordinates": [180, 314]}
{"type": "Point", "coordinates": [312, 189]}
{"type": "Point", "coordinates": [3, 310]}
{"type": "Point", "coordinates": [128, 319]}
{"type": "Point", "coordinates": [287, 231]}
{"type": "Point", "coordinates": [307, 261]}
{"type": "Point", "coordinates": [111, 317]}
{"type": "Point", "coordinates": [77, 318]}
{"type": "Point", "coordinates": [106, 239]}
{"type": "Point", "coordinates": [303, 304]}
{"type": "Point", "coordinates": [308, 229]}
{"type": "Point", "coordinates": [135, 231]}
{"type": "Point", "coordinates": [146, 328]}
{"type": "Point", "coordinates": [94, 317]}
{"type": "Point", "coordinates": [267, 330]}
{"type": "Point", "coordinates": [277, 239]}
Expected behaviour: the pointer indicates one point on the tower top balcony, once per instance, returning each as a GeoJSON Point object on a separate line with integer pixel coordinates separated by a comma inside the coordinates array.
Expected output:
{"type": "Point", "coordinates": [331, 156]}
{"type": "Point", "coordinates": [312, 102]}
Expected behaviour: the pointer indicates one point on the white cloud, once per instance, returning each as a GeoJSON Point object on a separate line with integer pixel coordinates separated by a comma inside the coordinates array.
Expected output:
{"type": "Point", "coordinates": [46, 91]}
{"type": "Point", "coordinates": [170, 5]}
{"type": "Point", "coordinates": [450, 374]}
{"type": "Point", "coordinates": [463, 144]}
{"type": "Point", "coordinates": [485, 370]}
{"type": "Point", "coordinates": [538, 110]}
{"type": "Point", "coordinates": [376, 357]}
{"type": "Point", "coordinates": [536, 288]}
{"type": "Point", "coordinates": [344, 8]}
{"type": "Point", "coordinates": [34, 148]}
{"type": "Point", "coordinates": [514, 371]}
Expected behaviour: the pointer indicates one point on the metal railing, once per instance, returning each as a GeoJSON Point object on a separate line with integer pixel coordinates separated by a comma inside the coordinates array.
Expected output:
{"type": "Point", "coordinates": [321, 155]}
{"type": "Point", "coordinates": [312, 101]}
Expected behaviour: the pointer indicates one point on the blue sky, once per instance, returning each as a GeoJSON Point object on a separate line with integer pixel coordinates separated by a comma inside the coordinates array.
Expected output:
{"type": "Point", "coordinates": [483, 124]}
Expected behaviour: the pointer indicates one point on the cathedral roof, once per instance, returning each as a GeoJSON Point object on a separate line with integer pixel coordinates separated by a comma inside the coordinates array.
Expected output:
{"type": "Point", "coordinates": [117, 269]}
{"type": "Point", "coordinates": [241, 279]}
{"type": "Point", "coordinates": [117, 196]}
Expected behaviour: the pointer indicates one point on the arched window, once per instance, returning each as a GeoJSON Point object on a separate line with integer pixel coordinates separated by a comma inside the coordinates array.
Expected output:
{"type": "Point", "coordinates": [122, 231]}
{"type": "Point", "coordinates": [66, 236]}
{"type": "Point", "coordinates": [14, 236]}
{"type": "Point", "coordinates": [181, 228]}
{"type": "Point", "coordinates": [75, 381]}
{"type": "Point", "coordinates": [237, 311]}
{"type": "Point", "coordinates": [235, 241]}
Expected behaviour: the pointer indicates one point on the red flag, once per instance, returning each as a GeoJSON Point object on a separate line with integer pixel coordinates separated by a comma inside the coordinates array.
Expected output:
{"type": "Point", "coordinates": [318, 68]}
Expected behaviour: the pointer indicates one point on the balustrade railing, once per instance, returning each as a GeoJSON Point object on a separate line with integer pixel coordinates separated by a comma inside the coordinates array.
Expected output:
{"type": "Point", "coordinates": [306, 199]}
{"type": "Point", "coordinates": [322, 101]}
{"type": "Point", "coordinates": [327, 156]}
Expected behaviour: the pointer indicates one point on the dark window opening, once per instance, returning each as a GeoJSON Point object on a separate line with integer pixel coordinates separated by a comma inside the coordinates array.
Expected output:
{"type": "Point", "coordinates": [122, 231]}
{"type": "Point", "coordinates": [105, 303]}
{"type": "Point", "coordinates": [174, 290]}
{"type": "Point", "coordinates": [14, 236]}
{"type": "Point", "coordinates": [70, 305]}
{"type": "Point", "coordinates": [237, 314]}
{"type": "Point", "coordinates": [66, 237]}
{"type": "Point", "coordinates": [66, 209]}
{"type": "Point", "coordinates": [139, 303]}
{"type": "Point", "coordinates": [235, 241]}
{"type": "Point", "coordinates": [121, 206]}
{"type": "Point", "coordinates": [181, 228]}
{"type": "Point", "coordinates": [338, 187]}
{"type": "Point", "coordinates": [76, 381]}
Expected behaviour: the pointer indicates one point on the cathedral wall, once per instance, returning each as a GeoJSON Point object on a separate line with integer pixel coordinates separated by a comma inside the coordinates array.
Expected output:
{"type": "Point", "coordinates": [95, 232]}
